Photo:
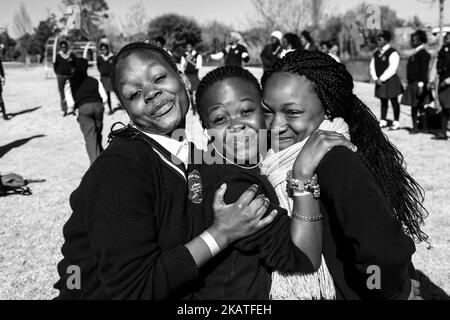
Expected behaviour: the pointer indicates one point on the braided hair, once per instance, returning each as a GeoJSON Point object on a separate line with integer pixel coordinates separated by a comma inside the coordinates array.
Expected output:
{"type": "Point", "coordinates": [133, 47]}
{"type": "Point", "coordinates": [220, 74]}
{"type": "Point", "coordinates": [334, 87]}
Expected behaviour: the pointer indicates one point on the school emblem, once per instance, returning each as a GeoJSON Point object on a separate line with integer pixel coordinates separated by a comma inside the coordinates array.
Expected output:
{"type": "Point", "coordinates": [195, 187]}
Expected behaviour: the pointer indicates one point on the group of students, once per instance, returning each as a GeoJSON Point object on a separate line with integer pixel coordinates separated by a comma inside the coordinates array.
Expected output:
{"type": "Point", "coordinates": [418, 92]}
{"type": "Point", "coordinates": [281, 44]}
{"type": "Point", "coordinates": [152, 220]}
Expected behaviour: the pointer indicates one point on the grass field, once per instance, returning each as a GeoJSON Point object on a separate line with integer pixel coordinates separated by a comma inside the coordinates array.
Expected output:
{"type": "Point", "coordinates": [39, 143]}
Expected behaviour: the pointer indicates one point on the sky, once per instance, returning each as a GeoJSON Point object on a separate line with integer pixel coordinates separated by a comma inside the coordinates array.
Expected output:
{"type": "Point", "coordinates": [233, 12]}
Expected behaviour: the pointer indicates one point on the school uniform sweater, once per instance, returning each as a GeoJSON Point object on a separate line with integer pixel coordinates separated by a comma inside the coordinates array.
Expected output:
{"type": "Point", "coordinates": [234, 56]}
{"type": "Point", "coordinates": [85, 92]}
{"type": "Point", "coordinates": [64, 66]}
{"type": "Point", "coordinates": [418, 66]}
{"type": "Point", "coordinates": [360, 231]}
{"type": "Point", "coordinates": [129, 226]}
{"type": "Point", "coordinates": [243, 271]}
{"type": "Point", "coordinates": [104, 65]}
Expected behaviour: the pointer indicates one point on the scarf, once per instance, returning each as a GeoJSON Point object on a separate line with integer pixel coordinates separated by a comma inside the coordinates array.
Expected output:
{"type": "Point", "coordinates": [298, 286]}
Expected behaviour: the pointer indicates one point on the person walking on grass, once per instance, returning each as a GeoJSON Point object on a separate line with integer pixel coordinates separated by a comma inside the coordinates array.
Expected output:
{"type": "Point", "coordinates": [191, 63]}
{"type": "Point", "coordinates": [88, 96]}
{"type": "Point", "coordinates": [383, 70]}
{"type": "Point", "coordinates": [104, 65]}
{"type": "Point", "coordinates": [63, 68]}
{"type": "Point", "coordinates": [2, 83]}
{"type": "Point", "coordinates": [443, 69]}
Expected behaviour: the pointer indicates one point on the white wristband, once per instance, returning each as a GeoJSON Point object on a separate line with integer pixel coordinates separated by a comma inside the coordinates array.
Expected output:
{"type": "Point", "coordinates": [296, 193]}
{"type": "Point", "coordinates": [210, 242]}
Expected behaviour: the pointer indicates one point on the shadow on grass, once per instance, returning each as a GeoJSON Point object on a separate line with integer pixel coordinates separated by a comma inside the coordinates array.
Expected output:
{"type": "Point", "coordinates": [16, 144]}
{"type": "Point", "coordinates": [24, 111]}
{"type": "Point", "coordinates": [429, 290]}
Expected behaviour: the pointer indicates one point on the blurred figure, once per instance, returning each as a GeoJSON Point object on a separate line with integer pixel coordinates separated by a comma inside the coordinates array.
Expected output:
{"type": "Point", "coordinates": [191, 63]}
{"type": "Point", "coordinates": [383, 70]}
{"type": "Point", "coordinates": [104, 64]}
{"type": "Point", "coordinates": [88, 96]}
{"type": "Point", "coordinates": [307, 41]}
{"type": "Point", "coordinates": [63, 67]}
{"type": "Point", "coordinates": [332, 49]}
{"type": "Point", "coordinates": [290, 42]}
{"type": "Point", "coordinates": [416, 93]}
{"type": "Point", "coordinates": [160, 41]}
{"type": "Point", "coordinates": [271, 51]}
{"type": "Point", "coordinates": [2, 83]}
{"type": "Point", "coordinates": [443, 69]}
{"type": "Point", "coordinates": [235, 53]}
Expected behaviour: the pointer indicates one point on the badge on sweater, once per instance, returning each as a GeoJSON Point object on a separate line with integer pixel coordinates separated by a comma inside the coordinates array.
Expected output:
{"type": "Point", "coordinates": [195, 187]}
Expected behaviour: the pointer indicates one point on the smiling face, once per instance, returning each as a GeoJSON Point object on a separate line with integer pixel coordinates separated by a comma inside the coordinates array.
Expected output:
{"type": "Point", "coordinates": [231, 111]}
{"type": "Point", "coordinates": [104, 50]}
{"type": "Point", "coordinates": [152, 92]}
{"type": "Point", "coordinates": [292, 107]}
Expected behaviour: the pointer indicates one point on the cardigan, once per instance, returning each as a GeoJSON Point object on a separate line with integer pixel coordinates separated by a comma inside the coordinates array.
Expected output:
{"type": "Point", "coordinates": [129, 226]}
{"type": "Point", "coordinates": [64, 66]}
{"type": "Point", "coordinates": [243, 270]}
{"type": "Point", "coordinates": [360, 231]}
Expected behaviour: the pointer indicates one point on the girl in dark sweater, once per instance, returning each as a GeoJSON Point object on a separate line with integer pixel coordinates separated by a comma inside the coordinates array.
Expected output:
{"type": "Point", "coordinates": [130, 235]}
{"type": "Point", "coordinates": [370, 202]}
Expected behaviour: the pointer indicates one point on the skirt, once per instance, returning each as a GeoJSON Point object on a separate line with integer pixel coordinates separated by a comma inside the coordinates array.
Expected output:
{"type": "Point", "coordinates": [194, 80]}
{"type": "Point", "coordinates": [106, 82]}
{"type": "Point", "coordinates": [389, 89]}
{"type": "Point", "coordinates": [444, 97]}
{"type": "Point", "coordinates": [411, 98]}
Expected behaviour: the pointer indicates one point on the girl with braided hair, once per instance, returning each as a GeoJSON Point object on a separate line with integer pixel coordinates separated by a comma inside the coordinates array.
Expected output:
{"type": "Point", "coordinates": [370, 203]}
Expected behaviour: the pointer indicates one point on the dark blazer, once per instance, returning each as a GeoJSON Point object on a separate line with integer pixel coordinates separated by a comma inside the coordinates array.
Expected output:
{"type": "Point", "coordinates": [2, 72]}
{"type": "Point", "coordinates": [443, 63]}
{"type": "Point", "coordinates": [360, 231]}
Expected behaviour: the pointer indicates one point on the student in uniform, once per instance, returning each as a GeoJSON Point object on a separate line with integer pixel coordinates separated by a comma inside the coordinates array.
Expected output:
{"type": "Point", "coordinates": [383, 70]}
{"type": "Point", "coordinates": [235, 53]}
{"type": "Point", "coordinates": [443, 69]}
{"type": "Point", "coordinates": [104, 66]}
{"type": "Point", "coordinates": [272, 51]}
{"type": "Point", "coordinates": [63, 68]}
{"type": "Point", "coordinates": [88, 96]}
{"type": "Point", "coordinates": [416, 93]}
{"type": "Point", "coordinates": [290, 42]}
{"type": "Point", "coordinates": [130, 233]}
{"type": "Point", "coordinates": [2, 83]}
{"type": "Point", "coordinates": [371, 218]}
{"type": "Point", "coordinates": [191, 63]}
{"type": "Point", "coordinates": [307, 41]}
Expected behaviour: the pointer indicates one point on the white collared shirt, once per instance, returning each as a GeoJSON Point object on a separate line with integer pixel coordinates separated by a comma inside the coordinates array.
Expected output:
{"type": "Point", "coordinates": [394, 63]}
{"type": "Point", "coordinates": [198, 64]}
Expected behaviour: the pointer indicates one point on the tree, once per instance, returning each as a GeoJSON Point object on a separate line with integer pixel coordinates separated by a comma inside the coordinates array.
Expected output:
{"type": "Point", "coordinates": [177, 31]}
{"type": "Point", "coordinates": [214, 35]}
{"type": "Point", "coordinates": [22, 22]}
{"type": "Point", "coordinates": [288, 15]}
{"type": "Point", "coordinates": [136, 20]}
{"type": "Point", "coordinates": [93, 13]}
{"type": "Point", "coordinates": [415, 23]}
{"type": "Point", "coordinates": [9, 44]}
{"type": "Point", "coordinates": [47, 28]}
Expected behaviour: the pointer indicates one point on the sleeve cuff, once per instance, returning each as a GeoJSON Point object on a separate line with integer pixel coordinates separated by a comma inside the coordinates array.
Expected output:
{"type": "Point", "coordinates": [180, 265]}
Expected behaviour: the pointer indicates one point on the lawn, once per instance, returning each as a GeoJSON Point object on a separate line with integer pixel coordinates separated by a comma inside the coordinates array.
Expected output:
{"type": "Point", "coordinates": [39, 143]}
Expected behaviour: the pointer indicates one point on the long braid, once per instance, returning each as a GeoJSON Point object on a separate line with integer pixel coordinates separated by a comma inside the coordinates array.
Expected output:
{"type": "Point", "coordinates": [334, 86]}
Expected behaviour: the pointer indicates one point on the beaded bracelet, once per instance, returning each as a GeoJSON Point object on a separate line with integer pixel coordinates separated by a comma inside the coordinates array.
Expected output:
{"type": "Point", "coordinates": [307, 219]}
{"type": "Point", "coordinates": [295, 185]}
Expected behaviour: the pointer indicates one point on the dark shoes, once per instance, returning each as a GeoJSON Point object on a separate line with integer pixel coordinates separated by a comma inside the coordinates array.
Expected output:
{"type": "Point", "coordinates": [5, 117]}
{"type": "Point", "coordinates": [440, 136]}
